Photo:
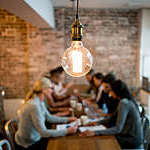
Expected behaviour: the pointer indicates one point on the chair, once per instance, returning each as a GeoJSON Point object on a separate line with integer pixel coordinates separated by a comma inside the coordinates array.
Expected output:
{"type": "Point", "coordinates": [4, 143]}
{"type": "Point", "coordinates": [146, 131]}
{"type": "Point", "coordinates": [147, 140]}
{"type": "Point", "coordinates": [10, 129]}
{"type": "Point", "coordinates": [145, 125]}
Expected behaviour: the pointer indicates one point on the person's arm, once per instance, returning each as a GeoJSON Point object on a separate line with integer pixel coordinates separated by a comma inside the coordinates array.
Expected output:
{"type": "Point", "coordinates": [68, 85]}
{"type": "Point", "coordinates": [102, 114]}
{"type": "Point", "coordinates": [90, 88]}
{"type": "Point", "coordinates": [105, 122]}
{"type": "Point", "coordinates": [60, 97]}
{"type": "Point", "coordinates": [50, 101]}
{"type": "Point", "coordinates": [91, 102]}
{"type": "Point", "coordinates": [59, 109]}
{"type": "Point", "coordinates": [54, 104]}
{"type": "Point", "coordinates": [100, 102]}
{"type": "Point", "coordinates": [62, 114]}
{"type": "Point", "coordinates": [62, 92]}
{"type": "Point", "coordinates": [54, 119]}
{"type": "Point", "coordinates": [99, 95]}
{"type": "Point", "coordinates": [121, 119]}
{"type": "Point", "coordinates": [39, 124]}
{"type": "Point", "coordinates": [93, 105]}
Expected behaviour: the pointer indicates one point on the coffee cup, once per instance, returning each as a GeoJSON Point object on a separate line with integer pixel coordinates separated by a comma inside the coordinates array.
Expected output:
{"type": "Point", "coordinates": [79, 107]}
{"type": "Point", "coordinates": [84, 120]}
{"type": "Point", "coordinates": [86, 110]}
{"type": "Point", "coordinates": [78, 122]}
{"type": "Point", "coordinates": [71, 112]}
{"type": "Point", "coordinates": [75, 91]}
{"type": "Point", "coordinates": [73, 103]}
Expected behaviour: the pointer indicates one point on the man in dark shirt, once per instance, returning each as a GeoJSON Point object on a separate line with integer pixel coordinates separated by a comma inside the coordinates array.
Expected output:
{"type": "Point", "coordinates": [105, 98]}
{"type": "Point", "coordinates": [109, 101]}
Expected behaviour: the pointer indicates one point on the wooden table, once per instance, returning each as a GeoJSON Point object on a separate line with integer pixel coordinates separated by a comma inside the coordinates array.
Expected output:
{"type": "Point", "coordinates": [83, 143]}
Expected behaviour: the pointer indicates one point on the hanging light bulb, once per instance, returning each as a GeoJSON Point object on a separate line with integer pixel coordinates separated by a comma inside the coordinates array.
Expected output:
{"type": "Point", "coordinates": [77, 60]}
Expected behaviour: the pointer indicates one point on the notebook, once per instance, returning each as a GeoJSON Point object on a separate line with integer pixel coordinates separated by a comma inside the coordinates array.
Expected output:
{"type": "Point", "coordinates": [92, 128]}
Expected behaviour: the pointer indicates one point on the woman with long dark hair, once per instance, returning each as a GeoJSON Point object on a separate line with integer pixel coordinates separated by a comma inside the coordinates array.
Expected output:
{"type": "Point", "coordinates": [128, 127]}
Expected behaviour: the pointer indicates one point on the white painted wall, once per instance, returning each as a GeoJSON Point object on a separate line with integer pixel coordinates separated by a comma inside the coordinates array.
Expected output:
{"type": "Point", "coordinates": [11, 107]}
{"type": "Point", "coordinates": [145, 44]}
{"type": "Point", "coordinates": [44, 8]}
{"type": "Point", "coordinates": [37, 12]}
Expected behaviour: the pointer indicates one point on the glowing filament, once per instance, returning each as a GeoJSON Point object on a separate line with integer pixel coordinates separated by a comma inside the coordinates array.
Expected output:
{"type": "Point", "coordinates": [77, 61]}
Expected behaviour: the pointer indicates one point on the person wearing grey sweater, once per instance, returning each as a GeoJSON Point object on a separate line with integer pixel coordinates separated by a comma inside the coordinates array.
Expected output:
{"type": "Point", "coordinates": [128, 128]}
{"type": "Point", "coordinates": [31, 126]}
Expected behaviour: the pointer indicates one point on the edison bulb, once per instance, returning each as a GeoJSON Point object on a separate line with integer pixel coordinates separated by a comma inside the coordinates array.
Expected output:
{"type": "Point", "coordinates": [77, 60]}
{"type": "Point", "coordinates": [3, 93]}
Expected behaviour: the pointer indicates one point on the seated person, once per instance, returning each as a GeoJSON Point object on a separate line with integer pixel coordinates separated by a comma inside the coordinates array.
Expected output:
{"type": "Point", "coordinates": [97, 81]}
{"type": "Point", "coordinates": [57, 79]}
{"type": "Point", "coordinates": [57, 108]}
{"type": "Point", "coordinates": [89, 78]}
{"type": "Point", "coordinates": [128, 128]}
{"type": "Point", "coordinates": [103, 97]}
{"type": "Point", "coordinates": [32, 133]}
{"type": "Point", "coordinates": [107, 106]}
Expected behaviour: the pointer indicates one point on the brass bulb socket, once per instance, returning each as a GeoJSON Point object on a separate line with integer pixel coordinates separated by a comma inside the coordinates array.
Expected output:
{"type": "Point", "coordinates": [77, 31]}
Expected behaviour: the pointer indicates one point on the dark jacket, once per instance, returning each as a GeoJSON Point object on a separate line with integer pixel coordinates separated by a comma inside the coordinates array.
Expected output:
{"type": "Point", "coordinates": [111, 103]}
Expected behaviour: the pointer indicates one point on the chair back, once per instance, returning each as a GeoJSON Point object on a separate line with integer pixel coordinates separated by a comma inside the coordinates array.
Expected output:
{"type": "Point", "coordinates": [147, 140]}
{"type": "Point", "coordinates": [146, 124]}
{"type": "Point", "coordinates": [4, 143]}
{"type": "Point", "coordinates": [10, 129]}
{"type": "Point", "coordinates": [146, 130]}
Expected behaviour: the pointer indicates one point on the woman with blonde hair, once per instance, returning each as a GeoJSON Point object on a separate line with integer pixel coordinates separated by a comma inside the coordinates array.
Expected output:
{"type": "Point", "coordinates": [32, 132]}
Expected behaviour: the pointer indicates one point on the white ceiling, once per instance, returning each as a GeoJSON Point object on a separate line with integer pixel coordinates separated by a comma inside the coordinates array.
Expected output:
{"type": "Point", "coordinates": [104, 3]}
{"type": "Point", "coordinates": [38, 14]}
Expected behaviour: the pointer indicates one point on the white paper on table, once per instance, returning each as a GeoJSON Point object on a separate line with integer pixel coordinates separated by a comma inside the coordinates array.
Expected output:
{"type": "Point", "coordinates": [61, 126]}
{"type": "Point", "coordinates": [92, 128]}
{"type": "Point", "coordinates": [94, 120]}
{"type": "Point", "coordinates": [64, 126]}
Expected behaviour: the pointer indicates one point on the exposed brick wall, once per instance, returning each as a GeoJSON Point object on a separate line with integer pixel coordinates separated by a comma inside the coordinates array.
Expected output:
{"type": "Point", "coordinates": [13, 49]}
{"type": "Point", "coordinates": [27, 52]}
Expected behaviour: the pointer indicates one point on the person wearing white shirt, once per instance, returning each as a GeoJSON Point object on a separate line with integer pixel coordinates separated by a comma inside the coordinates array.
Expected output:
{"type": "Point", "coordinates": [57, 76]}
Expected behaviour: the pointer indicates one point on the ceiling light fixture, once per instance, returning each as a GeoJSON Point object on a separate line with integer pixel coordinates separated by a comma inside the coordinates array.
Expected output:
{"type": "Point", "coordinates": [77, 60]}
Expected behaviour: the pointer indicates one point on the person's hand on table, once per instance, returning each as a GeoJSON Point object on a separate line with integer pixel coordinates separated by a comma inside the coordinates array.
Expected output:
{"type": "Point", "coordinates": [72, 130]}
{"type": "Point", "coordinates": [63, 109]}
{"type": "Point", "coordinates": [71, 119]}
{"type": "Point", "coordinates": [87, 101]}
{"type": "Point", "coordinates": [92, 124]}
{"type": "Point", "coordinates": [87, 133]}
{"type": "Point", "coordinates": [76, 94]}
{"type": "Point", "coordinates": [99, 110]}
{"type": "Point", "coordinates": [65, 113]}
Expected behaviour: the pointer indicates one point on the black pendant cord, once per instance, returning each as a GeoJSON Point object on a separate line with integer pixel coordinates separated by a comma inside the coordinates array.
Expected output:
{"type": "Point", "coordinates": [73, 9]}
{"type": "Point", "coordinates": [77, 14]}
{"type": "Point", "coordinates": [77, 27]}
